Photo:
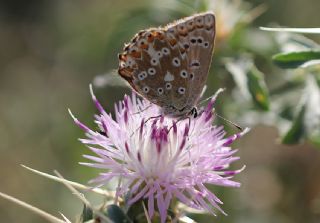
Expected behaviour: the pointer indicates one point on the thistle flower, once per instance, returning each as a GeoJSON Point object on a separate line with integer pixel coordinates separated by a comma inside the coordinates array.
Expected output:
{"type": "Point", "coordinates": [159, 158]}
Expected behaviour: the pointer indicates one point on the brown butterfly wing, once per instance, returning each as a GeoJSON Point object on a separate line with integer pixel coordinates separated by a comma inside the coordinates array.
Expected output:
{"type": "Point", "coordinates": [197, 34]}
{"type": "Point", "coordinates": [169, 66]}
{"type": "Point", "coordinates": [147, 65]}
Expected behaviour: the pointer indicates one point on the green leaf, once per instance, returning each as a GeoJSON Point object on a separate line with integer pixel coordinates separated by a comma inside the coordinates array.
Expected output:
{"type": "Point", "coordinates": [250, 81]}
{"type": "Point", "coordinates": [87, 214]}
{"type": "Point", "coordinates": [294, 30]}
{"type": "Point", "coordinates": [312, 117]}
{"type": "Point", "coordinates": [257, 88]}
{"type": "Point", "coordinates": [306, 123]}
{"type": "Point", "coordinates": [117, 215]}
{"type": "Point", "coordinates": [296, 131]}
{"type": "Point", "coordinates": [238, 70]}
{"type": "Point", "coordinates": [296, 59]}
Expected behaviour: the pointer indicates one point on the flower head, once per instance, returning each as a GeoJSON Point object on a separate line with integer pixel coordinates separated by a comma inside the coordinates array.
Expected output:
{"type": "Point", "coordinates": [159, 158]}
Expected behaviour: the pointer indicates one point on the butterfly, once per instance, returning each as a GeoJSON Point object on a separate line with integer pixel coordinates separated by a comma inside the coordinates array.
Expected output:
{"type": "Point", "coordinates": [169, 65]}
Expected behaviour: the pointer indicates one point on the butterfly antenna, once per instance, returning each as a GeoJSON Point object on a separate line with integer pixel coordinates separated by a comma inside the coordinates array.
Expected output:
{"type": "Point", "coordinates": [230, 122]}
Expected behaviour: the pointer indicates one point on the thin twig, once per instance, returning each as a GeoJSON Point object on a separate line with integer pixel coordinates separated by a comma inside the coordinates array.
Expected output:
{"type": "Point", "coordinates": [83, 199]}
{"type": "Point", "coordinates": [74, 184]}
{"type": "Point", "coordinates": [36, 210]}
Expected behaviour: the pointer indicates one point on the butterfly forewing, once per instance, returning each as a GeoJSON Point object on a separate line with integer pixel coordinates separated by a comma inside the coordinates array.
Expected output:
{"type": "Point", "coordinates": [169, 66]}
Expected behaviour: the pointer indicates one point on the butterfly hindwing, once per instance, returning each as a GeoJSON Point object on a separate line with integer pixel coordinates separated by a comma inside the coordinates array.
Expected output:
{"type": "Point", "coordinates": [169, 66]}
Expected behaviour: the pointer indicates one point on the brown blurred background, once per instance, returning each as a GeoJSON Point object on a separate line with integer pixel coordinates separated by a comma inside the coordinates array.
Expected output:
{"type": "Point", "coordinates": [49, 53]}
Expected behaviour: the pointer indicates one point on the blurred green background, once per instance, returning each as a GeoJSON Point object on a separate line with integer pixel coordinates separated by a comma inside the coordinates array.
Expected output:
{"type": "Point", "coordinates": [51, 50]}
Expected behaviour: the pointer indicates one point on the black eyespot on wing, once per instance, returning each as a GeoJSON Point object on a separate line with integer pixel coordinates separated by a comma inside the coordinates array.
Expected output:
{"type": "Point", "coordinates": [195, 64]}
{"type": "Point", "coordinates": [168, 86]}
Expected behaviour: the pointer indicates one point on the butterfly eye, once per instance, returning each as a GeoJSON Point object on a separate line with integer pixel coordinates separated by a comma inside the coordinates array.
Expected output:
{"type": "Point", "coordinates": [176, 62]}
{"type": "Point", "coordinates": [146, 89]}
{"type": "Point", "coordinates": [160, 90]}
{"type": "Point", "coordinates": [151, 71]}
{"type": "Point", "coordinates": [184, 74]}
{"type": "Point", "coordinates": [181, 90]}
{"type": "Point", "coordinates": [168, 86]}
{"type": "Point", "coordinates": [194, 112]}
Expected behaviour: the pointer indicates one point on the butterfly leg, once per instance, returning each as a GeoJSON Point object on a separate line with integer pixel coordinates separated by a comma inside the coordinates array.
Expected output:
{"type": "Point", "coordinates": [144, 122]}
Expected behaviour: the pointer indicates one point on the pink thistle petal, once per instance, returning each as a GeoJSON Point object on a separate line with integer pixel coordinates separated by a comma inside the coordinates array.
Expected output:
{"type": "Point", "coordinates": [136, 186]}
{"type": "Point", "coordinates": [103, 178]}
{"type": "Point", "coordinates": [151, 205]}
{"type": "Point", "coordinates": [94, 158]}
{"type": "Point", "coordinates": [161, 205]}
{"type": "Point", "coordinates": [184, 199]}
{"type": "Point", "coordinates": [231, 139]}
{"type": "Point", "coordinates": [96, 102]}
{"type": "Point", "coordinates": [138, 195]}
{"type": "Point", "coordinates": [158, 158]}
